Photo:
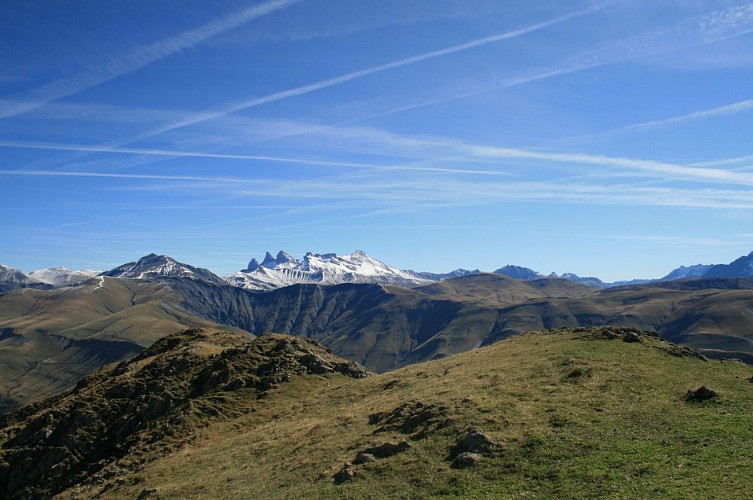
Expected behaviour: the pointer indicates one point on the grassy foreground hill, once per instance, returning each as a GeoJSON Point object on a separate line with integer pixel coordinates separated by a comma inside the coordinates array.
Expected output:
{"type": "Point", "coordinates": [584, 413]}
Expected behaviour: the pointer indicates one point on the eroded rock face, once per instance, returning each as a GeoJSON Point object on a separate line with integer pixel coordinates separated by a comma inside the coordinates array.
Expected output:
{"type": "Point", "coordinates": [54, 444]}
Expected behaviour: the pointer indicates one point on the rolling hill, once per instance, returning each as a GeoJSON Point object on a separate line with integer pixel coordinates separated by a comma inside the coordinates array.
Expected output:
{"type": "Point", "coordinates": [583, 413]}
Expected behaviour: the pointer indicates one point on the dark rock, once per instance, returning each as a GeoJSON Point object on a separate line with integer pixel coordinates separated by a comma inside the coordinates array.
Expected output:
{"type": "Point", "coordinates": [363, 457]}
{"type": "Point", "coordinates": [631, 337]}
{"type": "Point", "coordinates": [347, 473]}
{"type": "Point", "coordinates": [465, 460]}
{"type": "Point", "coordinates": [474, 441]}
{"type": "Point", "coordinates": [700, 394]}
{"type": "Point", "coordinates": [578, 374]}
{"type": "Point", "coordinates": [386, 449]}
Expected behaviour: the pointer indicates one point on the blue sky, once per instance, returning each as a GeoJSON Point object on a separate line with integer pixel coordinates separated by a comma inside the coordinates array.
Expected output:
{"type": "Point", "coordinates": [603, 138]}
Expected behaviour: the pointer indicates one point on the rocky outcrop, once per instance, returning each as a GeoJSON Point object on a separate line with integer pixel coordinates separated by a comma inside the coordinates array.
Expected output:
{"type": "Point", "coordinates": [159, 394]}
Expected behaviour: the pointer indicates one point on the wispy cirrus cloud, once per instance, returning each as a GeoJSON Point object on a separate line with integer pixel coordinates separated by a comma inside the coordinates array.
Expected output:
{"type": "Point", "coordinates": [727, 109]}
{"type": "Point", "coordinates": [649, 167]}
{"type": "Point", "coordinates": [691, 32]}
{"type": "Point", "coordinates": [136, 59]}
{"type": "Point", "coordinates": [225, 156]}
{"type": "Point", "coordinates": [355, 75]}
{"type": "Point", "coordinates": [407, 193]}
{"type": "Point", "coordinates": [438, 151]}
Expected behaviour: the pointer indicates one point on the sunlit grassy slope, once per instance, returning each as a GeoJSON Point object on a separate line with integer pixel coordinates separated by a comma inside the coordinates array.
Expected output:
{"type": "Point", "coordinates": [564, 414]}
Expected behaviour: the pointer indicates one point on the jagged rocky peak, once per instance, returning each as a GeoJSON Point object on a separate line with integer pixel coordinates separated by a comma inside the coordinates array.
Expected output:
{"type": "Point", "coordinates": [284, 258]}
{"type": "Point", "coordinates": [269, 260]}
{"type": "Point", "coordinates": [327, 269]}
{"type": "Point", "coordinates": [281, 260]}
{"type": "Point", "coordinates": [253, 264]}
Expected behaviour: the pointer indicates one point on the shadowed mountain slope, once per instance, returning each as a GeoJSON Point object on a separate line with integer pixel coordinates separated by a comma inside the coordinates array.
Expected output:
{"type": "Point", "coordinates": [50, 339]}
{"type": "Point", "coordinates": [587, 413]}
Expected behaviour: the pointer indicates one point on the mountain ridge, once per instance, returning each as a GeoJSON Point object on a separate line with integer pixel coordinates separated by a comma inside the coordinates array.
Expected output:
{"type": "Point", "coordinates": [330, 268]}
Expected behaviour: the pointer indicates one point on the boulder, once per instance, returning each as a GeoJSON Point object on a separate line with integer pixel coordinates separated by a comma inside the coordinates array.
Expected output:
{"type": "Point", "coordinates": [465, 460]}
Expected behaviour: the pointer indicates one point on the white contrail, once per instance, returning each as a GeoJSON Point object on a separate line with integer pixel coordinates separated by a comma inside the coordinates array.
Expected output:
{"type": "Point", "coordinates": [135, 60]}
{"type": "Point", "coordinates": [728, 109]}
{"type": "Point", "coordinates": [459, 149]}
{"type": "Point", "coordinates": [691, 32]}
{"type": "Point", "coordinates": [199, 154]}
{"type": "Point", "coordinates": [338, 80]}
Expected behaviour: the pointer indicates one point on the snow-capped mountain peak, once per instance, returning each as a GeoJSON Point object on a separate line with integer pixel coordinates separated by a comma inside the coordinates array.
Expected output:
{"type": "Point", "coordinates": [269, 260]}
{"type": "Point", "coordinates": [327, 269]}
{"type": "Point", "coordinates": [156, 266]}
{"type": "Point", "coordinates": [284, 260]}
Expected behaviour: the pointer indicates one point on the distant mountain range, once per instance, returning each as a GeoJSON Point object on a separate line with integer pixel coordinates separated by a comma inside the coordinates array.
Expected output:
{"type": "Point", "coordinates": [329, 269]}
{"type": "Point", "coordinates": [740, 268]}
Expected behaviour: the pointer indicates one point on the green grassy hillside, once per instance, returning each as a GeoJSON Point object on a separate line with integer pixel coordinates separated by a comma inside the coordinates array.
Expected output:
{"type": "Point", "coordinates": [551, 414]}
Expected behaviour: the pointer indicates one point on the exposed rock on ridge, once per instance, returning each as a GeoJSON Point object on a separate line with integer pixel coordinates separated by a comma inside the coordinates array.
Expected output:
{"type": "Point", "coordinates": [164, 392]}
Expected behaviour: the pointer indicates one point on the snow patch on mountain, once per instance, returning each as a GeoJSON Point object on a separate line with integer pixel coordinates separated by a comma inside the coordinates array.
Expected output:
{"type": "Point", "coordinates": [61, 276]}
{"type": "Point", "coordinates": [155, 266]}
{"type": "Point", "coordinates": [12, 279]}
{"type": "Point", "coordinates": [324, 269]}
